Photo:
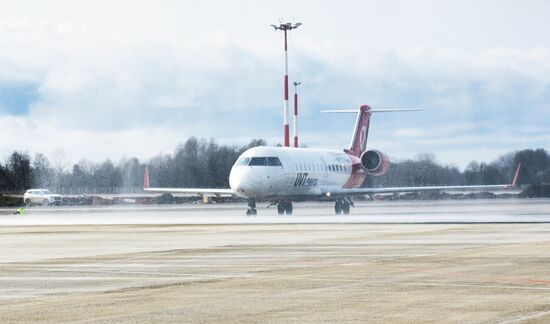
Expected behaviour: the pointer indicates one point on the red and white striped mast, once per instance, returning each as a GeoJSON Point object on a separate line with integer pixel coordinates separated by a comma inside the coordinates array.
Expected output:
{"type": "Point", "coordinates": [285, 28]}
{"type": "Point", "coordinates": [296, 84]}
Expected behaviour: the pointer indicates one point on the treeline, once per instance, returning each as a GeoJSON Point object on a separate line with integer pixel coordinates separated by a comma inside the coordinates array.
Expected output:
{"type": "Point", "coordinates": [202, 163]}
{"type": "Point", "coordinates": [195, 163]}
{"type": "Point", "coordinates": [425, 171]}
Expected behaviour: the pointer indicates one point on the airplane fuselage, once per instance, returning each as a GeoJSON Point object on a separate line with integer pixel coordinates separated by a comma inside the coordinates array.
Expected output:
{"type": "Point", "coordinates": [279, 173]}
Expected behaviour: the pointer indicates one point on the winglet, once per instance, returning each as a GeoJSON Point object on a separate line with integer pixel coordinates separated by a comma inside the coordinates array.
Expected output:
{"type": "Point", "coordinates": [516, 176]}
{"type": "Point", "coordinates": [146, 178]}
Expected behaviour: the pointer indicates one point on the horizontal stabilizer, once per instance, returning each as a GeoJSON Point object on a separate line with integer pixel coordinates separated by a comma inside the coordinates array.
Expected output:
{"type": "Point", "coordinates": [371, 110]}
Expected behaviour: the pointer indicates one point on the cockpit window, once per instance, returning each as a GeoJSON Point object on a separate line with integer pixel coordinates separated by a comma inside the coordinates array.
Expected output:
{"type": "Point", "coordinates": [258, 161]}
{"type": "Point", "coordinates": [274, 161]}
{"type": "Point", "coordinates": [243, 161]}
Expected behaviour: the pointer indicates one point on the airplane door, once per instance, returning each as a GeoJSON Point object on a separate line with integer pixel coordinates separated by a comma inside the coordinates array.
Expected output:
{"type": "Point", "coordinates": [276, 175]}
{"type": "Point", "coordinates": [288, 174]}
{"type": "Point", "coordinates": [324, 175]}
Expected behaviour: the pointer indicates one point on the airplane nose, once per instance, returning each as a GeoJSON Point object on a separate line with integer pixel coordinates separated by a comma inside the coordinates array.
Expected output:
{"type": "Point", "coordinates": [237, 186]}
{"type": "Point", "coordinates": [241, 181]}
{"type": "Point", "coordinates": [237, 181]}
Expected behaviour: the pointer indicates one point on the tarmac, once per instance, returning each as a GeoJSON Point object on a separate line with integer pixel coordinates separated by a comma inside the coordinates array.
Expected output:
{"type": "Point", "coordinates": [447, 261]}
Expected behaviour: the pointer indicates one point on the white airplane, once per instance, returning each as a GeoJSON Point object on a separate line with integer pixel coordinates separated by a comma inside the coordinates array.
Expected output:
{"type": "Point", "coordinates": [282, 175]}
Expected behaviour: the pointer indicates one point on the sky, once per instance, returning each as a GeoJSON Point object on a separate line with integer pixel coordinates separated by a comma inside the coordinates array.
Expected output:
{"type": "Point", "coordinates": [116, 79]}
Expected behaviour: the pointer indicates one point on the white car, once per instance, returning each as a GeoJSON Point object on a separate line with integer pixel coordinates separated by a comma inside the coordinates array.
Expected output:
{"type": "Point", "coordinates": [41, 197]}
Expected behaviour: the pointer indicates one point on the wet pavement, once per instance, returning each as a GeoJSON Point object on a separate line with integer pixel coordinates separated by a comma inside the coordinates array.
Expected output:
{"type": "Point", "coordinates": [482, 261]}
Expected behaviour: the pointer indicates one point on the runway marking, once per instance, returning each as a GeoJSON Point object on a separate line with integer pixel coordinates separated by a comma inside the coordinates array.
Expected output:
{"type": "Point", "coordinates": [474, 286]}
{"type": "Point", "coordinates": [528, 317]}
{"type": "Point", "coordinates": [140, 272]}
{"type": "Point", "coordinates": [334, 279]}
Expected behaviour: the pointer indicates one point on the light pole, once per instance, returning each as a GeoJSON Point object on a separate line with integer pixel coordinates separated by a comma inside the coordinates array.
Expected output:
{"type": "Point", "coordinates": [296, 84]}
{"type": "Point", "coordinates": [285, 28]}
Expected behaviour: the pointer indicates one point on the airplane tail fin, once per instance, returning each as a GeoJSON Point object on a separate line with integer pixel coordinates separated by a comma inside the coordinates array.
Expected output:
{"type": "Point", "coordinates": [360, 134]}
{"type": "Point", "coordinates": [146, 178]}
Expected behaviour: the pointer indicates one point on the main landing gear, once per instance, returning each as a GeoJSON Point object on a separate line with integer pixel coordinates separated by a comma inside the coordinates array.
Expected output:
{"type": "Point", "coordinates": [342, 205]}
{"type": "Point", "coordinates": [251, 211]}
{"type": "Point", "coordinates": [284, 207]}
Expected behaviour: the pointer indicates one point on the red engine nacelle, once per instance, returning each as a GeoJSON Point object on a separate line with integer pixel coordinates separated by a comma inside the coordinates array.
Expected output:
{"type": "Point", "coordinates": [375, 162]}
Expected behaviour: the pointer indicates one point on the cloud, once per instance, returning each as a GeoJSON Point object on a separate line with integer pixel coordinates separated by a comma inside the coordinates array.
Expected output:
{"type": "Point", "coordinates": [99, 90]}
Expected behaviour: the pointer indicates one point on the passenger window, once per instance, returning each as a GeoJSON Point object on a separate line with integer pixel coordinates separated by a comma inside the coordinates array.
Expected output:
{"type": "Point", "coordinates": [258, 161]}
{"type": "Point", "coordinates": [274, 161]}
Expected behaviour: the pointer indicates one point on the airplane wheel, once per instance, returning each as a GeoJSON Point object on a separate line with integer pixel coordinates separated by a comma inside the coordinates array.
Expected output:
{"type": "Point", "coordinates": [251, 208]}
{"type": "Point", "coordinates": [338, 207]}
{"type": "Point", "coordinates": [345, 208]}
{"type": "Point", "coordinates": [281, 208]}
{"type": "Point", "coordinates": [288, 208]}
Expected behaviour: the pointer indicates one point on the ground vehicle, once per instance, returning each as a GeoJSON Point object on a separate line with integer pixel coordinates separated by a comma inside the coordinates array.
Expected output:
{"type": "Point", "coordinates": [41, 197]}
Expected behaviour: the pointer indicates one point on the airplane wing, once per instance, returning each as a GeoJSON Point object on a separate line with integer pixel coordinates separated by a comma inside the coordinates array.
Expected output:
{"type": "Point", "coordinates": [199, 191]}
{"type": "Point", "coordinates": [366, 191]}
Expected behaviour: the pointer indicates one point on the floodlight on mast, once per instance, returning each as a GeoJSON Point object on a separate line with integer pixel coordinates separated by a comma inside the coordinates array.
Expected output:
{"type": "Point", "coordinates": [285, 27]}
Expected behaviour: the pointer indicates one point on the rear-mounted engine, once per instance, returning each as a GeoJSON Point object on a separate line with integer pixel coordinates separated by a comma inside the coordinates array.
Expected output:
{"type": "Point", "coordinates": [375, 162]}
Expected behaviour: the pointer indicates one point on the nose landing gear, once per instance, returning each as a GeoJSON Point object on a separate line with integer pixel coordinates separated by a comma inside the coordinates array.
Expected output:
{"type": "Point", "coordinates": [342, 205]}
{"type": "Point", "coordinates": [251, 211]}
{"type": "Point", "coordinates": [284, 207]}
